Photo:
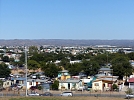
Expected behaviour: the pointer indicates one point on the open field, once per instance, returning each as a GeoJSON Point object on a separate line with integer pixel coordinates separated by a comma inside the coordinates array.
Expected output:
{"type": "Point", "coordinates": [61, 98]}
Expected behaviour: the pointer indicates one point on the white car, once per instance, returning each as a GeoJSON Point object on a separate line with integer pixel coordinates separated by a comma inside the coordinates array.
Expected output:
{"type": "Point", "coordinates": [130, 96]}
{"type": "Point", "coordinates": [19, 86]}
{"type": "Point", "coordinates": [66, 94]}
{"type": "Point", "coordinates": [33, 94]}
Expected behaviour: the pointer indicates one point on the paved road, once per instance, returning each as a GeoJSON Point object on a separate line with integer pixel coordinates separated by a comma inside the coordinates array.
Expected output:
{"type": "Point", "coordinates": [76, 93]}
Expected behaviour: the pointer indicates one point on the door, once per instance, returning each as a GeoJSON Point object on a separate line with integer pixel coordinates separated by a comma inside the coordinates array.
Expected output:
{"type": "Point", "coordinates": [68, 85]}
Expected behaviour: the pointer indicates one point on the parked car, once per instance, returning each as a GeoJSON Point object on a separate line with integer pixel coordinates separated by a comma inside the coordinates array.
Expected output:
{"type": "Point", "coordinates": [14, 85]}
{"type": "Point", "coordinates": [66, 94]}
{"type": "Point", "coordinates": [33, 94]}
{"type": "Point", "coordinates": [130, 96]}
{"type": "Point", "coordinates": [1, 88]}
{"type": "Point", "coordinates": [46, 94]}
{"type": "Point", "coordinates": [19, 86]}
{"type": "Point", "coordinates": [33, 87]}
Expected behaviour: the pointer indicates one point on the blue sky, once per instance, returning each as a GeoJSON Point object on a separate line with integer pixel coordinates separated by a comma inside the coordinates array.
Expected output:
{"type": "Point", "coordinates": [67, 19]}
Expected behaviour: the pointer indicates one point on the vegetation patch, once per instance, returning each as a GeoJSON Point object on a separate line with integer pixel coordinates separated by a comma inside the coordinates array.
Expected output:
{"type": "Point", "coordinates": [65, 98]}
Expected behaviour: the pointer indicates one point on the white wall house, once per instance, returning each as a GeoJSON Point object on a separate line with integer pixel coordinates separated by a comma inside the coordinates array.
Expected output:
{"type": "Point", "coordinates": [6, 83]}
{"type": "Point", "coordinates": [104, 83]}
{"type": "Point", "coordinates": [70, 84]}
{"type": "Point", "coordinates": [34, 82]}
{"type": "Point", "coordinates": [131, 83]}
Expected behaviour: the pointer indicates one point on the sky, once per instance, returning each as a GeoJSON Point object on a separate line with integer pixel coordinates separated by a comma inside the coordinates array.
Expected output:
{"type": "Point", "coordinates": [67, 19]}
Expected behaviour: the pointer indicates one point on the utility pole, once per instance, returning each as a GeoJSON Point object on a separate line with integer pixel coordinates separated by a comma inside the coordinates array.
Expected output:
{"type": "Point", "coordinates": [26, 69]}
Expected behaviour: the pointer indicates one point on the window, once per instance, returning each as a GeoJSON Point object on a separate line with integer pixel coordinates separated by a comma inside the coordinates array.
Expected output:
{"type": "Point", "coordinates": [30, 83]}
{"type": "Point", "coordinates": [96, 84]}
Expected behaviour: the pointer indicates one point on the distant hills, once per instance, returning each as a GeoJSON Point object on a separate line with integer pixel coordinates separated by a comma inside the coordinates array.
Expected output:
{"type": "Point", "coordinates": [66, 42]}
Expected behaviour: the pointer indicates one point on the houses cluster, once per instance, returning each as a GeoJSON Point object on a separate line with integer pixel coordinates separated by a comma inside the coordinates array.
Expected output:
{"type": "Point", "coordinates": [14, 51]}
{"type": "Point", "coordinates": [21, 82]}
{"type": "Point", "coordinates": [103, 81]}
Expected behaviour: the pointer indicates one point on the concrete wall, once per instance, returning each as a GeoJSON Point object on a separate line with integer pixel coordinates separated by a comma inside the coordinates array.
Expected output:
{"type": "Point", "coordinates": [98, 85]}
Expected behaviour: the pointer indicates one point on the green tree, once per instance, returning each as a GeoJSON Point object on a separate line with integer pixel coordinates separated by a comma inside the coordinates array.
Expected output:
{"type": "Point", "coordinates": [87, 56]}
{"type": "Point", "coordinates": [114, 87]}
{"type": "Point", "coordinates": [65, 63]}
{"type": "Point", "coordinates": [21, 61]}
{"type": "Point", "coordinates": [131, 56]}
{"type": "Point", "coordinates": [79, 56]}
{"type": "Point", "coordinates": [112, 56]}
{"type": "Point", "coordinates": [22, 58]}
{"type": "Point", "coordinates": [74, 69]}
{"type": "Point", "coordinates": [50, 69]}
{"type": "Point", "coordinates": [38, 57]}
{"type": "Point", "coordinates": [101, 59]}
{"type": "Point", "coordinates": [1, 51]}
{"type": "Point", "coordinates": [121, 67]}
{"type": "Point", "coordinates": [32, 64]}
{"type": "Point", "coordinates": [11, 60]}
{"type": "Point", "coordinates": [1, 83]}
{"type": "Point", "coordinates": [4, 71]}
{"type": "Point", "coordinates": [60, 56]}
{"type": "Point", "coordinates": [55, 85]}
{"type": "Point", "coordinates": [5, 58]}
{"type": "Point", "coordinates": [90, 67]}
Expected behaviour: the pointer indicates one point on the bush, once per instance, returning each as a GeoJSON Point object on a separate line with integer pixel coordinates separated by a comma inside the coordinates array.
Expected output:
{"type": "Point", "coordinates": [40, 87]}
{"type": "Point", "coordinates": [129, 91]}
{"type": "Point", "coordinates": [115, 86]}
{"type": "Point", "coordinates": [55, 85]}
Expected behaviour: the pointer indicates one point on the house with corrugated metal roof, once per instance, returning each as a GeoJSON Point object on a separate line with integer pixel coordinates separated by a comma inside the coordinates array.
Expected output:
{"type": "Point", "coordinates": [70, 84]}
{"type": "Point", "coordinates": [131, 83]}
{"type": "Point", "coordinates": [106, 71]}
{"type": "Point", "coordinates": [63, 75]}
{"type": "Point", "coordinates": [36, 82]}
{"type": "Point", "coordinates": [104, 83]}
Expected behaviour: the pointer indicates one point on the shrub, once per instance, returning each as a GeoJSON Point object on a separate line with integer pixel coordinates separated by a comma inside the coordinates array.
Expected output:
{"type": "Point", "coordinates": [115, 86]}
{"type": "Point", "coordinates": [40, 87]}
{"type": "Point", "coordinates": [55, 85]}
{"type": "Point", "coordinates": [129, 91]}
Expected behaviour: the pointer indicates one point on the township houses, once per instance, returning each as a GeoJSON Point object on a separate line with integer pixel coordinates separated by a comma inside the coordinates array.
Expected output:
{"type": "Point", "coordinates": [32, 81]}
{"type": "Point", "coordinates": [106, 71]}
{"type": "Point", "coordinates": [102, 81]}
{"type": "Point", "coordinates": [70, 84]}
{"type": "Point", "coordinates": [63, 75]}
{"type": "Point", "coordinates": [6, 83]}
{"type": "Point", "coordinates": [36, 82]}
{"type": "Point", "coordinates": [105, 80]}
{"type": "Point", "coordinates": [131, 83]}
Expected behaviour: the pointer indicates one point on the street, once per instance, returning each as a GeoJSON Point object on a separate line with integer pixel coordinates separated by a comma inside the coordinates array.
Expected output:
{"type": "Point", "coordinates": [75, 93]}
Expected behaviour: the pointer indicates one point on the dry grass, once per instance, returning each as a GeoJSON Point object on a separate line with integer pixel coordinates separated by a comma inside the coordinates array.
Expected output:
{"type": "Point", "coordinates": [61, 98]}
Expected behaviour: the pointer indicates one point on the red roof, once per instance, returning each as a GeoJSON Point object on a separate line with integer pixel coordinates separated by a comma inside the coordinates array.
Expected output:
{"type": "Point", "coordinates": [131, 80]}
